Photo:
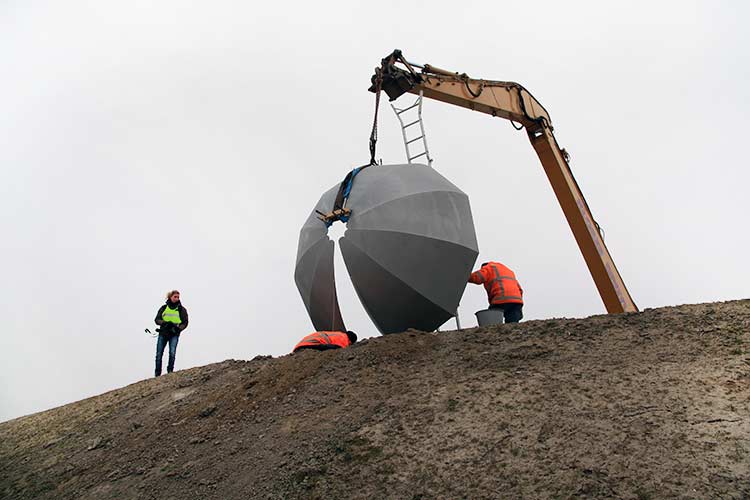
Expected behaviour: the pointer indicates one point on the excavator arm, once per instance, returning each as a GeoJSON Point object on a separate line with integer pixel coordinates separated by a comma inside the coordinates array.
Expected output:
{"type": "Point", "coordinates": [511, 101]}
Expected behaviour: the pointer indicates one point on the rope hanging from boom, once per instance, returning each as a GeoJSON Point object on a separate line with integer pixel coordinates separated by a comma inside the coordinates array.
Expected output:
{"type": "Point", "coordinates": [339, 211]}
{"type": "Point", "coordinates": [374, 131]}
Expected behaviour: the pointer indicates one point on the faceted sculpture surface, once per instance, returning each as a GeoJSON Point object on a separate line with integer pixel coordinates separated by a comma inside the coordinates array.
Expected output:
{"type": "Point", "coordinates": [409, 248]}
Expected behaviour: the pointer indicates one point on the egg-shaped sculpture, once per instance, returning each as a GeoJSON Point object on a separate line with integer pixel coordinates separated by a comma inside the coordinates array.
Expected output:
{"type": "Point", "coordinates": [409, 248]}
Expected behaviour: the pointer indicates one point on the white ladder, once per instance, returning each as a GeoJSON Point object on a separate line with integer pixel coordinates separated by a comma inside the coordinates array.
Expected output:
{"type": "Point", "coordinates": [404, 126]}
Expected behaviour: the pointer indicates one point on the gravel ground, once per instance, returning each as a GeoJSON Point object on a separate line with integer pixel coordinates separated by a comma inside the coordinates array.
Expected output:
{"type": "Point", "coordinates": [653, 404]}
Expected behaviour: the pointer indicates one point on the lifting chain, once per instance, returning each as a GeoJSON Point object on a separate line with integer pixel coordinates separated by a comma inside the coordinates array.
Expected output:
{"type": "Point", "coordinates": [339, 211]}
{"type": "Point", "coordinates": [374, 131]}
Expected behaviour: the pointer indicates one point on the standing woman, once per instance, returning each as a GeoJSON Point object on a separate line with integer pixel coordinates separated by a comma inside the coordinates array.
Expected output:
{"type": "Point", "coordinates": [172, 319]}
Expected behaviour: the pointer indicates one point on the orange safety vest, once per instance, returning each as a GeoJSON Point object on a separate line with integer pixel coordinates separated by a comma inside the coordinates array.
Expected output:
{"type": "Point", "coordinates": [500, 282]}
{"type": "Point", "coordinates": [320, 338]}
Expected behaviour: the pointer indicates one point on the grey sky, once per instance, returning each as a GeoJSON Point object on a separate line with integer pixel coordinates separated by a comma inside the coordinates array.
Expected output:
{"type": "Point", "coordinates": [154, 145]}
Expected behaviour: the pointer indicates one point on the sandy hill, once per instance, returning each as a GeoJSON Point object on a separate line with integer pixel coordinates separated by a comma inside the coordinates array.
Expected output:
{"type": "Point", "coordinates": [647, 405]}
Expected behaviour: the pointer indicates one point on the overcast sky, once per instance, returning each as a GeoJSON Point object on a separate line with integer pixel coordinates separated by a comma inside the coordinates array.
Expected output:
{"type": "Point", "coordinates": [147, 145]}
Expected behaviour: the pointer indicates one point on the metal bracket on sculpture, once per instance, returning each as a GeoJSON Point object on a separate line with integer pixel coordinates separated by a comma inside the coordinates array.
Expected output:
{"type": "Point", "coordinates": [341, 214]}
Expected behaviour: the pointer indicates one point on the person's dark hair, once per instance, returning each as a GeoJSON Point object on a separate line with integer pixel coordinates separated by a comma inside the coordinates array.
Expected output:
{"type": "Point", "coordinates": [352, 336]}
{"type": "Point", "coordinates": [484, 264]}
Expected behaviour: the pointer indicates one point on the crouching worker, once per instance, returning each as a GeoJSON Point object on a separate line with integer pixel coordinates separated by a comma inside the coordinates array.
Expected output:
{"type": "Point", "coordinates": [503, 289]}
{"type": "Point", "coordinates": [322, 341]}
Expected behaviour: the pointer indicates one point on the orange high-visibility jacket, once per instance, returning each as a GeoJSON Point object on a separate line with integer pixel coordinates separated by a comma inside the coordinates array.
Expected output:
{"type": "Point", "coordinates": [500, 282]}
{"type": "Point", "coordinates": [315, 339]}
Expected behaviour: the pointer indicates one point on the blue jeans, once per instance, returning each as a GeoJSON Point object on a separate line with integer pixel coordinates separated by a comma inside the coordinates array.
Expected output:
{"type": "Point", "coordinates": [513, 313]}
{"type": "Point", "coordinates": [161, 343]}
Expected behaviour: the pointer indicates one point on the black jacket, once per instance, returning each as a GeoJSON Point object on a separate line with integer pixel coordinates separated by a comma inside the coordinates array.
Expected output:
{"type": "Point", "coordinates": [183, 317]}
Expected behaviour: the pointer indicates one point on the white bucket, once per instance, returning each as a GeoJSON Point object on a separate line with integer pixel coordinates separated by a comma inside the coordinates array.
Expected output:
{"type": "Point", "coordinates": [487, 317]}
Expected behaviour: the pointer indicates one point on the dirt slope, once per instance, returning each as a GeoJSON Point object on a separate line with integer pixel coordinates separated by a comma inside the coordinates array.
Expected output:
{"type": "Point", "coordinates": [647, 405]}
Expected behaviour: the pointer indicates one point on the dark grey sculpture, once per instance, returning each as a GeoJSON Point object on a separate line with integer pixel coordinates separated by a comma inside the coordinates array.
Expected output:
{"type": "Point", "coordinates": [314, 273]}
{"type": "Point", "coordinates": [409, 248]}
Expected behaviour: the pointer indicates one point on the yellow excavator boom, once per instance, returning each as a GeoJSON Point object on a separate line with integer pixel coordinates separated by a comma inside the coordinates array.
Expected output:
{"type": "Point", "coordinates": [513, 102]}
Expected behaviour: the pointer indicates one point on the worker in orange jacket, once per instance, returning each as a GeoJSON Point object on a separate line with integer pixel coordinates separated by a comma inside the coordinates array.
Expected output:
{"type": "Point", "coordinates": [322, 341]}
{"type": "Point", "coordinates": [503, 289]}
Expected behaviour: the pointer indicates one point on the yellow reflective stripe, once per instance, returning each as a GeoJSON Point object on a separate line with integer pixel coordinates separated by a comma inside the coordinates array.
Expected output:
{"type": "Point", "coordinates": [508, 297]}
{"type": "Point", "coordinates": [499, 279]}
{"type": "Point", "coordinates": [171, 315]}
{"type": "Point", "coordinates": [317, 338]}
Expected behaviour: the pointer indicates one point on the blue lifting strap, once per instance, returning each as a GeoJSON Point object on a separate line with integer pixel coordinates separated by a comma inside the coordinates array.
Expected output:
{"type": "Point", "coordinates": [349, 181]}
{"type": "Point", "coordinates": [339, 211]}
